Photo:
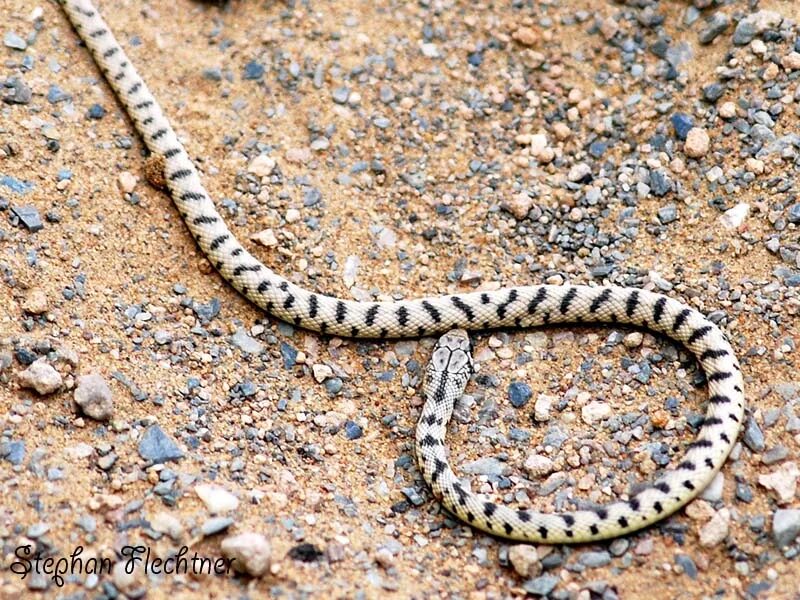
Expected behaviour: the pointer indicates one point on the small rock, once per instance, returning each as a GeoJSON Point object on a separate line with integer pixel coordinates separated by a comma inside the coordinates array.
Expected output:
{"type": "Point", "coordinates": [580, 173]}
{"type": "Point", "coordinates": [127, 181]}
{"type": "Point", "coordinates": [157, 447]}
{"type": "Point", "coordinates": [682, 124]}
{"type": "Point", "coordinates": [727, 110]}
{"type": "Point", "coordinates": [262, 166]}
{"type": "Point", "coordinates": [633, 339]}
{"type": "Point", "coordinates": [217, 499]}
{"type": "Point", "coordinates": [129, 583]}
{"type": "Point", "coordinates": [525, 36]}
{"type": "Point", "coordinates": [697, 142]}
{"type": "Point", "coordinates": [265, 238]}
{"type": "Point", "coordinates": [753, 437]}
{"type": "Point", "coordinates": [667, 214]}
{"type": "Point", "coordinates": [541, 409]}
{"type": "Point", "coordinates": [321, 372]}
{"type": "Point", "coordinates": [525, 560]}
{"type": "Point", "coordinates": [785, 526]}
{"type": "Point", "coordinates": [166, 523]}
{"type": "Point", "coordinates": [715, 25]}
{"type": "Point", "coordinates": [538, 465]}
{"type": "Point", "coordinates": [94, 397]}
{"type": "Point", "coordinates": [35, 302]}
{"type": "Point", "coordinates": [251, 553]}
{"type": "Point", "coordinates": [253, 70]}
{"type": "Point", "coordinates": [541, 586]}
{"type": "Point", "coordinates": [29, 217]}
{"type": "Point", "coordinates": [215, 525]}
{"type": "Point", "coordinates": [245, 343]}
{"type": "Point", "coordinates": [794, 213]}
{"type": "Point", "coordinates": [41, 377]}
{"type": "Point", "coordinates": [595, 411]}
{"type": "Point", "coordinates": [520, 205]}
{"type": "Point", "coordinates": [519, 393]}
{"type": "Point", "coordinates": [352, 430]}
{"type": "Point", "coordinates": [594, 560]}
{"type": "Point", "coordinates": [782, 481]}
{"type": "Point", "coordinates": [716, 530]}
{"type": "Point", "coordinates": [713, 493]}
{"type": "Point", "coordinates": [733, 218]}
{"type": "Point", "coordinates": [14, 41]}
{"type": "Point", "coordinates": [791, 62]}
{"type": "Point", "coordinates": [754, 24]}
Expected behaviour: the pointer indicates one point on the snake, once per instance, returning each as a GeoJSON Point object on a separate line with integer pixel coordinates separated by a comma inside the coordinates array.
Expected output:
{"type": "Point", "coordinates": [512, 307]}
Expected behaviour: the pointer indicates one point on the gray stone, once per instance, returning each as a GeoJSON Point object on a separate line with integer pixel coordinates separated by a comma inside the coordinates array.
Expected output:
{"type": "Point", "coordinates": [245, 343]}
{"type": "Point", "coordinates": [94, 397]}
{"type": "Point", "coordinates": [785, 526]}
{"type": "Point", "coordinates": [716, 24]}
{"type": "Point", "coordinates": [157, 447]}
{"type": "Point", "coordinates": [541, 586]}
{"type": "Point", "coordinates": [753, 437]}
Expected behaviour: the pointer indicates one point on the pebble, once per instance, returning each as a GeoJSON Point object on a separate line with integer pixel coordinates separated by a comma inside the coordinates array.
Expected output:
{"type": "Point", "coordinates": [714, 490]}
{"type": "Point", "coordinates": [217, 499]}
{"type": "Point", "coordinates": [682, 124]}
{"type": "Point", "coordinates": [595, 560]}
{"type": "Point", "coordinates": [41, 377]}
{"type": "Point", "coordinates": [716, 530]}
{"type": "Point", "coordinates": [127, 181]}
{"type": "Point", "coordinates": [727, 110]}
{"type": "Point", "coordinates": [734, 218]}
{"type": "Point", "coordinates": [633, 339]}
{"type": "Point", "coordinates": [697, 142]}
{"type": "Point", "coordinates": [157, 447]}
{"type": "Point", "coordinates": [794, 213]}
{"type": "Point", "coordinates": [352, 430]}
{"type": "Point", "coordinates": [519, 393]}
{"type": "Point", "coordinates": [29, 217]}
{"type": "Point", "coordinates": [667, 214]}
{"type": "Point", "coordinates": [595, 411]}
{"type": "Point", "coordinates": [262, 166]}
{"type": "Point", "coordinates": [754, 24]}
{"type": "Point", "coordinates": [166, 523]}
{"type": "Point", "coordinates": [96, 112]}
{"type": "Point", "coordinates": [253, 70]}
{"type": "Point", "coordinates": [13, 451]}
{"type": "Point", "coordinates": [56, 95]}
{"type": "Point", "coordinates": [541, 586]}
{"type": "Point", "coordinates": [687, 564]}
{"type": "Point", "coordinates": [782, 481]}
{"type": "Point", "coordinates": [716, 24]}
{"type": "Point", "coordinates": [538, 465]}
{"type": "Point", "coordinates": [525, 560]}
{"type": "Point", "coordinates": [542, 406]}
{"type": "Point", "coordinates": [35, 302]}
{"type": "Point", "coordinates": [94, 397]}
{"type": "Point", "coordinates": [14, 41]}
{"type": "Point", "coordinates": [245, 343]}
{"type": "Point", "coordinates": [752, 437]}
{"type": "Point", "coordinates": [265, 238]}
{"type": "Point", "coordinates": [215, 525]}
{"type": "Point", "coordinates": [785, 526]}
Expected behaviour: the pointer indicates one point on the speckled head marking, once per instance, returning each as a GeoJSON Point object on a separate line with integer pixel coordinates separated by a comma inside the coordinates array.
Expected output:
{"type": "Point", "coordinates": [448, 373]}
{"type": "Point", "coordinates": [526, 306]}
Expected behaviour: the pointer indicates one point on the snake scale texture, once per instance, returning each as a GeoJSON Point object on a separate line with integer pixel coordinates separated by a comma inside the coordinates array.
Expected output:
{"type": "Point", "coordinates": [450, 369]}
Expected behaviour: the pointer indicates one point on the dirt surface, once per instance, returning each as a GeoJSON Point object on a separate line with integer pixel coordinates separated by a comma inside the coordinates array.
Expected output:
{"type": "Point", "coordinates": [399, 131]}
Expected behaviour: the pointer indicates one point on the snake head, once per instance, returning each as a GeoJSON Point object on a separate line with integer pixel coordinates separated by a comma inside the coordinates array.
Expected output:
{"type": "Point", "coordinates": [453, 354]}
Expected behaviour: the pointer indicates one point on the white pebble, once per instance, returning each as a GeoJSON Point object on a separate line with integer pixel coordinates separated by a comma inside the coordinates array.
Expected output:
{"type": "Point", "coordinates": [41, 377]}
{"type": "Point", "coordinates": [251, 552]}
{"type": "Point", "coordinates": [217, 499]}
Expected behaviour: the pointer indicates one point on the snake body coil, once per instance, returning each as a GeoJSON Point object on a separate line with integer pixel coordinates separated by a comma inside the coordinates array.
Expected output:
{"type": "Point", "coordinates": [527, 306]}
